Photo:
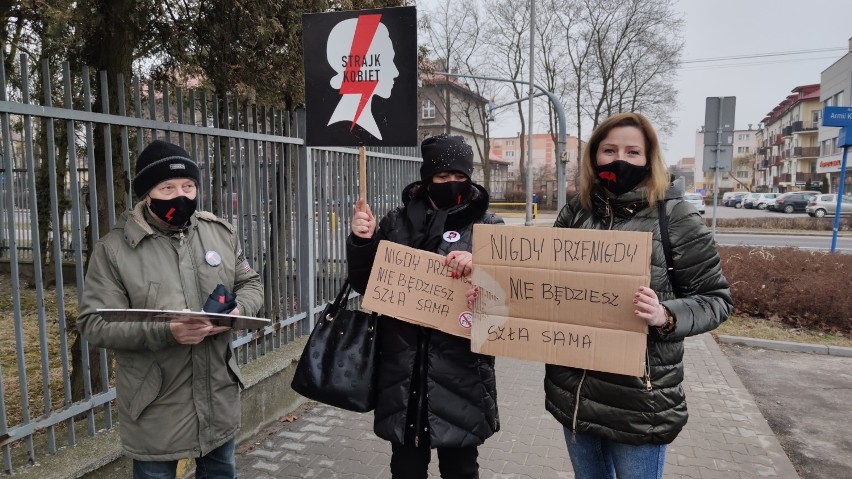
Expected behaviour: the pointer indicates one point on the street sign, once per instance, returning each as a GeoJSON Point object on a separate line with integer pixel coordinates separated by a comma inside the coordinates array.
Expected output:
{"type": "Point", "coordinates": [837, 116]}
{"type": "Point", "coordinates": [844, 139]}
{"type": "Point", "coordinates": [726, 157]}
{"type": "Point", "coordinates": [719, 114]}
{"type": "Point", "coordinates": [361, 77]}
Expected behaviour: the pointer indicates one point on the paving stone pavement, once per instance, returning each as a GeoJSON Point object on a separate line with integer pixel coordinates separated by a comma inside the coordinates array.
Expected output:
{"type": "Point", "coordinates": [726, 437]}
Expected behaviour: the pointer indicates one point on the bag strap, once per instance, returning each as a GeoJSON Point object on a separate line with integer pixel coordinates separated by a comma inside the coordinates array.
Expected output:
{"type": "Point", "coordinates": [342, 295]}
{"type": "Point", "coordinates": [667, 244]}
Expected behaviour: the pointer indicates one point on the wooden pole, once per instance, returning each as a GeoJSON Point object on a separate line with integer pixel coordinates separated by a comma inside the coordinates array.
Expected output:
{"type": "Point", "coordinates": [362, 176]}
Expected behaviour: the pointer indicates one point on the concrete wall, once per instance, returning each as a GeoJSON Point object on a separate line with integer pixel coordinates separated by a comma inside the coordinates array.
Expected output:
{"type": "Point", "coordinates": [266, 398]}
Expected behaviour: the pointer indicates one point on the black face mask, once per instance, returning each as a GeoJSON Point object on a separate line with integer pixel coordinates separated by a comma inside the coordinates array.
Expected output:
{"type": "Point", "coordinates": [175, 211]}
{"type": "Point", "coordinates": [449, 194]}
{"type": "Point", "coordinates": [619, 177]}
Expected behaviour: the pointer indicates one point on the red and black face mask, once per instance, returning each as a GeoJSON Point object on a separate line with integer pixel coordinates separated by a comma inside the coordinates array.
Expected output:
{"type": "Point", "coordinates": [619, 177]}
{"type": "Point", "coordinates": [175, 211]}
{"type": "Point", "coordinates": [449, 194]}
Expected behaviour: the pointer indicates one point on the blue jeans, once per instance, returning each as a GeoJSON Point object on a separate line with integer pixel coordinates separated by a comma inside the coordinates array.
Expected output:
{"type": "Point", "coordinates": [220, 463]}
{"type": "Point", "coordinates": [596, 458]}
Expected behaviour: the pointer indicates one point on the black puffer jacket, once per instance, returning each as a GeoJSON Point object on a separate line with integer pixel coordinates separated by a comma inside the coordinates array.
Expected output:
{"type": "Point", "coordinates": [618, 407]}
{"type": "Point", "coordinates": [460, 408]}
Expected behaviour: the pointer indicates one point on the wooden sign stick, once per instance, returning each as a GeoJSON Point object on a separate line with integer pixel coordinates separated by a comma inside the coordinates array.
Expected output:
{"type": "Point", "coordinates": [362, 178]}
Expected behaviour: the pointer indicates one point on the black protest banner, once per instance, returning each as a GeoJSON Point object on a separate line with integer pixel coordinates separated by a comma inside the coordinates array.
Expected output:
{"type": "Point", "coordinates": [361, 77]}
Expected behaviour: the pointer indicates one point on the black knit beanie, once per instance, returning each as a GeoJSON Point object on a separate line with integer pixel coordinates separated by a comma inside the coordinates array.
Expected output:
{"type": "Point", "coordinates": [161, 161]}
{"type": "Point", "coordinates": [445, 153]}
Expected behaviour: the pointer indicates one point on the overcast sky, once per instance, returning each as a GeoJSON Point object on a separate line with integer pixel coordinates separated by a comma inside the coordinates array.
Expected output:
{"type": "Point", "coordinates": [725, 28]}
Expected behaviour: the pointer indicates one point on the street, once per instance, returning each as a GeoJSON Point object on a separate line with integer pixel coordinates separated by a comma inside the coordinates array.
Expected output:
{"type": "Point", "coordinates": [814, 242]}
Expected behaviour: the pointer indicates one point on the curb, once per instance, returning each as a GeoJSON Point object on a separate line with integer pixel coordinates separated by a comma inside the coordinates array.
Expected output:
{"type": "Point", "coordinates": [786, 346]}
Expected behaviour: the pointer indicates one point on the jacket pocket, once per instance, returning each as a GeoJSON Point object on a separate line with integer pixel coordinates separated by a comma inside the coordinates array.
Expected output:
{"type": "Point", "coordinates": [151, 297]}
{"type": "Point", "coordinates": [233, 368]}
{"type": "Point", "coordinates": [146, 391]}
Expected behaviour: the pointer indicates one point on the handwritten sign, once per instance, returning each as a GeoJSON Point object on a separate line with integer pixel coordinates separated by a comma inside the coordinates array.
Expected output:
{"type": "Point", "coordinates": [561, 296]}
{"type": "Point", "coordinates": [416, 286]}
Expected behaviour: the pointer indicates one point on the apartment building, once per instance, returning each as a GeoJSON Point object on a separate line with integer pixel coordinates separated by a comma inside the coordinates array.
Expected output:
{"type": "Point", "coordinates": [836, 83]}
{"type": "Point", "coordinates": [741, 177]}
{"type": "Point", "coordinates": [685, 168]}
{"type": "Point", "coordinates": [543, 162]}
{"type": "Point", "coordinates": [789, 144]}
{"type": "Point", "coordinates": [448, 105]}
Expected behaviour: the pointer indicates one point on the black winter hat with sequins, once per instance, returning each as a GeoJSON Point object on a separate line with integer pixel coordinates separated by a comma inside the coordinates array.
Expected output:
{"type": "Point", "coordinates": [445, 153]}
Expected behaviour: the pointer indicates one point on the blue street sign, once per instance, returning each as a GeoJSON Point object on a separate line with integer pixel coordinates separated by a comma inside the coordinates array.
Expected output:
{"type": "Point", "coordinates": [843, 139]}
{"type": "Point", "coordinates": [837, 116]}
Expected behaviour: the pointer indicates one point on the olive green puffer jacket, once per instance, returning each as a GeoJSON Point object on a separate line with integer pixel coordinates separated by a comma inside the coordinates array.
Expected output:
{"type": "Point", "coordinates": [622, 408]}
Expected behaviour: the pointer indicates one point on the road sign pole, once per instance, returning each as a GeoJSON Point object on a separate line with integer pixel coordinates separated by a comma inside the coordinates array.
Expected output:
{"type": "Point", "coordinates": [716, 163]}
{"type": "Point", "coordinates": [838, 210]}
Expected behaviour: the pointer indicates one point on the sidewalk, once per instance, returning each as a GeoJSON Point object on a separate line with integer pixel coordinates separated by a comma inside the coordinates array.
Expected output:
{"type": "Point", "coordinates": [726, 437]}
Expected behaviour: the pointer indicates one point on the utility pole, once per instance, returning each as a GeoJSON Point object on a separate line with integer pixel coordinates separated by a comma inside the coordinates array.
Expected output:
{"type": "Point", "coordinates": [529, 219]}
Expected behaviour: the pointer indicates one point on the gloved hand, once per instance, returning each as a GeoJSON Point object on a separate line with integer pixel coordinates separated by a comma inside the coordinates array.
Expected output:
{"type": "Point", "coordinates": [220, 300]}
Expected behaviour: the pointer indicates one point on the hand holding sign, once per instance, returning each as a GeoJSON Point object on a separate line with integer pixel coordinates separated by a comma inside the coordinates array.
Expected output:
{"type": "Point", "coordinates": [363, 222]}
{"type": "Point", "coordinates": [460, 263]}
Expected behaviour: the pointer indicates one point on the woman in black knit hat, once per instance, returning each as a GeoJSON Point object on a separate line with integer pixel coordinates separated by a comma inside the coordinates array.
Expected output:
{"type": "Point", "coordinates": [434, 393]}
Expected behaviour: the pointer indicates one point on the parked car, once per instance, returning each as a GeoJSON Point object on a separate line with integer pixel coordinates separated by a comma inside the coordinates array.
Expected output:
{"type": "Point", "coordinates": [826, 205]}
{"type": "Point", "coordinates": [726, 196]}
{"type": "Point", "coordinates": [790, 202]}
{"type": "Point", "coordinates": [759, 200]}
{"type": "Point", "coordinates": [736, 200]}
{"type": "Point", "coordinates": [695, 200]}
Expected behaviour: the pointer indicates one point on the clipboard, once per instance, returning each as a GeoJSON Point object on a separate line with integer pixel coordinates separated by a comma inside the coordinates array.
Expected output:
{"type": "Point", "coordinates": [217, 319]}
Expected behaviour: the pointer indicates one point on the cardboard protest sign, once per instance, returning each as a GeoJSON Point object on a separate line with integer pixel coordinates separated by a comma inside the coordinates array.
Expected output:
{"type": "Point", "coordinates": [561, 296]}
{"type": "Point", "coordinates": [361, 77]}
{"type": "Point", "coordinates": [415, 286]}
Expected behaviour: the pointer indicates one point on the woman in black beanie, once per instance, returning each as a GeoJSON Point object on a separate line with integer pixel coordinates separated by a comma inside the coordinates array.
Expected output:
{"type": "Point", "coordinates": [433, 392]}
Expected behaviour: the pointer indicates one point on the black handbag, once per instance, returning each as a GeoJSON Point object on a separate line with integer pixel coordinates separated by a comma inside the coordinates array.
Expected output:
{"type": "Point", "coordinates": [337, 366]}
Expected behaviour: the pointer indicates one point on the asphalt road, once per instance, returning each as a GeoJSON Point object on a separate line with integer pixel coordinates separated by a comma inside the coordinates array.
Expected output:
{"type": "Point", "coordinates": [805, 399]}
{"type": "Point", "coordinates": [820, 242]}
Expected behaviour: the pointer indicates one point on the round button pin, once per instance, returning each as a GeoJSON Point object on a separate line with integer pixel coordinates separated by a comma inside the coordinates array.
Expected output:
{"type": "Point", "coordinates": [213, 258]}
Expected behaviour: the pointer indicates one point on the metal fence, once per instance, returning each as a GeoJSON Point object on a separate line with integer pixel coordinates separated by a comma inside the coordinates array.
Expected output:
{"type": "Point", "coordinates": [290, 204]}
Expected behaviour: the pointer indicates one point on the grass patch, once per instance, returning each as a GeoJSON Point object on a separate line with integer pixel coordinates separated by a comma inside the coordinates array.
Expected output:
{"type": "Point", "coordinates": [758, 328]}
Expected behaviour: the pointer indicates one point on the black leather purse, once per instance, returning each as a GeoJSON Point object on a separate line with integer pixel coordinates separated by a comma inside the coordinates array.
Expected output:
{"type": "Point", "coordinates": [337, 366]}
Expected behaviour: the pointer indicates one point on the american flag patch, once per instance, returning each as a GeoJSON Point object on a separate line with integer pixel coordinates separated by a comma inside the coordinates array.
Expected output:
{"type": "Point", "coordinates": [243, 263]}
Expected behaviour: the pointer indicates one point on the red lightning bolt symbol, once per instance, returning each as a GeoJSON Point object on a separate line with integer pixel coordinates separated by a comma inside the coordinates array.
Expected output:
{"type": "Point", "coordinates": [365, 30]}
{"type": "Point", "coordinates": [169, 214]}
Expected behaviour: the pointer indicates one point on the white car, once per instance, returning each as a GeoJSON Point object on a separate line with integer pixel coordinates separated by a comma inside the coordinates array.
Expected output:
{"type": "Point", "coordinates": [696, 200]}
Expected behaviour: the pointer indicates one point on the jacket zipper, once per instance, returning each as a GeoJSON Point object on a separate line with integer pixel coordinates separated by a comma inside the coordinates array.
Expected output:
{"type": "Point", "coordinates": [647, 378]}
{"type": "Point", "coordinates": [610, 214]}
{"type": "Point", "coordinates": [422, 386]}
{"type": "Point", "coordinates": [577, 408]}
{"type": "Point", "coordinates": [583, 378]}
{"type": "Point", "coordinates": [648, 385]}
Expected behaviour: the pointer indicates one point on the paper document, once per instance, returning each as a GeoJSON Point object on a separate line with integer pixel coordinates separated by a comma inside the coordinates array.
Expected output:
{"type": "Point", "coordinates": [218, 319]}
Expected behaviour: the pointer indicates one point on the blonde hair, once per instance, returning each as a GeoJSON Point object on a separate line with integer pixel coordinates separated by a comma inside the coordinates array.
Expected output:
{"type": "Point", "coordinates": [658, 180]}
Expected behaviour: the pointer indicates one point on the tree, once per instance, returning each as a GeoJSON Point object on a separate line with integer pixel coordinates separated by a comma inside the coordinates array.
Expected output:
{"type": "Point", "coordinates": [454, 36]}
{"type": "Point", "coordinates": [451, 38]}
{"type": "Point", "coordinates": [623, 57]}
{"type": "Point", "coordinates": [509, 22]}
{"type": "Point", "coordinates": [552, 71]}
